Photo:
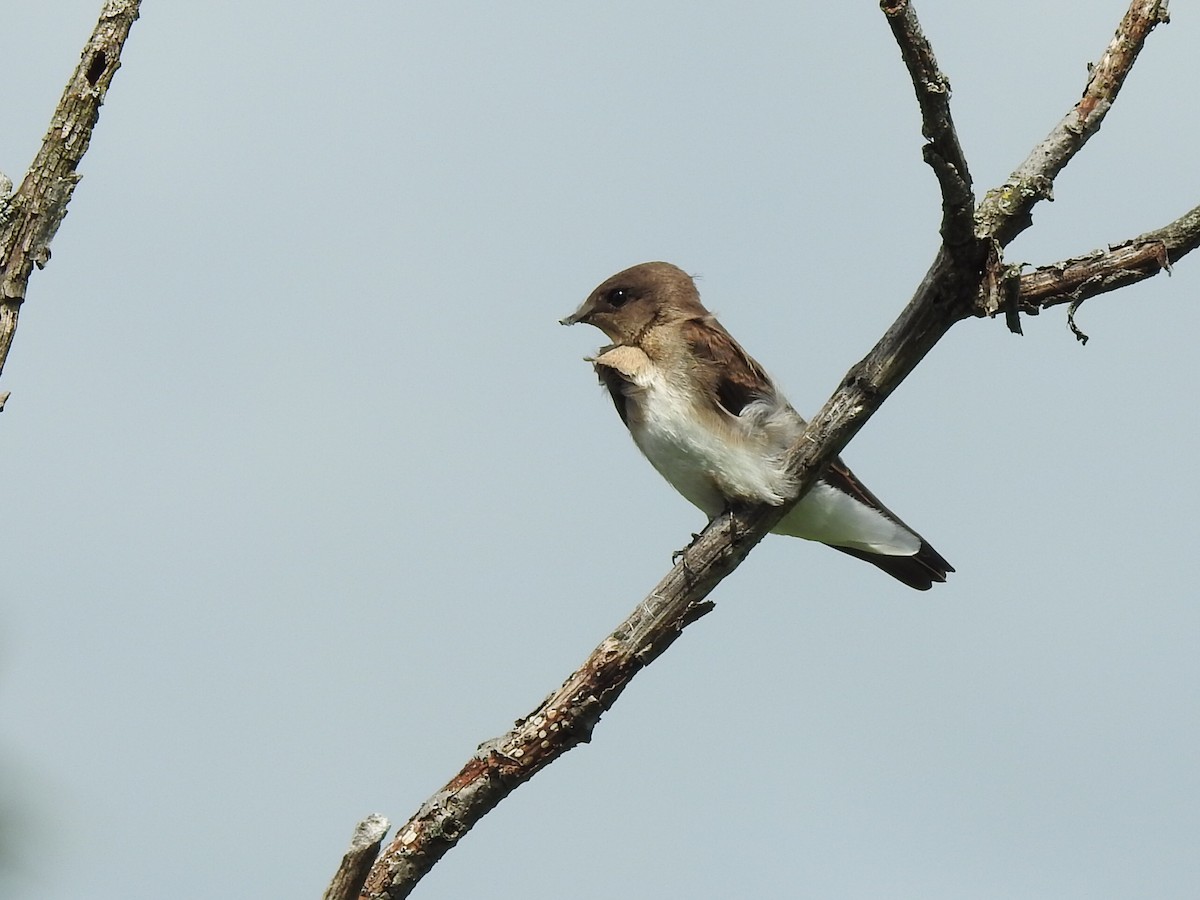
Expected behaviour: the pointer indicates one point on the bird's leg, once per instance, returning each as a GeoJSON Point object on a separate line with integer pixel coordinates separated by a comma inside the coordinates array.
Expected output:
{"type": "Point", "coordinates": [730, 513]}
{"type": "Point", "coordinates": [682, 554]}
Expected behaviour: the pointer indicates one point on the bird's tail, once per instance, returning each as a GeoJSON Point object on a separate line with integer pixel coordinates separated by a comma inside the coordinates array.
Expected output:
{"type": "Point", "coordinates": [918, 571]}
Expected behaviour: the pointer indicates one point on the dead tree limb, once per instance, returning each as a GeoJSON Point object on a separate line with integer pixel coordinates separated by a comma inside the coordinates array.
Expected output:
{"type": "Point", "coordinates": [943, 152]}
{"type": "Point", "coordinates": [30, 217]}
{"type": "Point", "coordinates": [1007, 210]}
{"type": "Point", "coordinates": [364, 848]}
{"type": "Point", "coordinates": [949, 292]}
{"type": "Point", "coordinates": [1100, 271]}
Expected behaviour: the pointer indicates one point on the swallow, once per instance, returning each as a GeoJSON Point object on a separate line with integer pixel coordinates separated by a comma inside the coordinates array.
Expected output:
{"type": "Point", "coordinates": [715, 426]}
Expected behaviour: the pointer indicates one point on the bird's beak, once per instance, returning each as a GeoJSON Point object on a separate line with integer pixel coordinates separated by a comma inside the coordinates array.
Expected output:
{"type": "Point", "coordinates": [573, 318]}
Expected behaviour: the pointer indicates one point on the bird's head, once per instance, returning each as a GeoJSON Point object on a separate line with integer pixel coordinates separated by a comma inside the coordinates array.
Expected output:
{"type": "Point", "coordinates": [632, 301]}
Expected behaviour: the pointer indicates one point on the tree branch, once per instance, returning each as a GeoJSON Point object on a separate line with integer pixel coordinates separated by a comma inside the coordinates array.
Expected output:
{"type": "Point", "coordinates": [1100, 271]}
{"type": "Point", "coordinates": [566, 718]}
{"type": "Point", "coordinates": [1007, 211]}
{"type": "Point", "coordinates": [947, 294]}
{"type": "Point", "coordinates": [30, 217]}
{"type": "Point", "coordinates": [943, 151]}
{"type": "Point", "coordinates": [364, 847]}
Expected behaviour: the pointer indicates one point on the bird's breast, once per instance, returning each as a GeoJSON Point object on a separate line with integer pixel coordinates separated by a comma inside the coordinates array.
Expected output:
{"type": "Point", "coordinates": [701, 451]}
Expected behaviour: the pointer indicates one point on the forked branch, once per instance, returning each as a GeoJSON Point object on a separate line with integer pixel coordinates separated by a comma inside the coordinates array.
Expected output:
{"type": "Point", "coordinates": [948, 293]}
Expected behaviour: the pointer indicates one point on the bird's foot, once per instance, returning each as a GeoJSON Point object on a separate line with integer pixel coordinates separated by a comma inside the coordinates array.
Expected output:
{"type": "Point", "coordinates": [682, 555]}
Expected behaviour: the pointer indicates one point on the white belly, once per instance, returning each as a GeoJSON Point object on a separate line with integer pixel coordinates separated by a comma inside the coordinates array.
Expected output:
{"type": "Point", "coordinates": [712, 458]}
{"type": "Point", "coordinates": [702, 457]}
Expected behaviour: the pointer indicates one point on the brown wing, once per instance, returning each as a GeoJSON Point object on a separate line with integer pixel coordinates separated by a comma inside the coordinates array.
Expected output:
{"type": "Point", "coordinates": [736, 378]}
{"type": "Point", "coordinates": [615, 382]}
{"type": "Point", "coordinates": [838, 475]}
{"type": "Point", "coordinates": [919, 570]}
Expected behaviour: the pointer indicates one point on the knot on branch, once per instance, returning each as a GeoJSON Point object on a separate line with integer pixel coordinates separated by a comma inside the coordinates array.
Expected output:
{"type": "Point", "coordinates": [1007, 210]}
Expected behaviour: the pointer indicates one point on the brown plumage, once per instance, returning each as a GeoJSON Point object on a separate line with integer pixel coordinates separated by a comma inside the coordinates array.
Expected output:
{"type": "Point", "coordinates": [713, 423]}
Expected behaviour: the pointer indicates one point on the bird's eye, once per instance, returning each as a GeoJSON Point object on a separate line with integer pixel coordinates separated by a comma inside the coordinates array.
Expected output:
{"type": "Point", "coordinates": [617, 297]}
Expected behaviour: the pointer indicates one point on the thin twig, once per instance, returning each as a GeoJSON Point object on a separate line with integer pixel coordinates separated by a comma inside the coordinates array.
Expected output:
{"type": "Point", "coordinates": [34, 212]}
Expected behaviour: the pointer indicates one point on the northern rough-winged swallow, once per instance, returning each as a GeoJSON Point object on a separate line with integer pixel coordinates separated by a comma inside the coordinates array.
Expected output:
{"type": "Point", "coordinates": [713, 424]}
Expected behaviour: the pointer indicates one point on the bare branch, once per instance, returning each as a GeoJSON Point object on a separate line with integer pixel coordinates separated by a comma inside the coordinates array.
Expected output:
{"type": "Point", "coordinates": [943, 152]}
{"type": "Point", "coordinates": [563, 720]}
{"type": "Point", "coordinates": [946, 295]}
{"type": "Point", "coordinates": [364, 847]}
{"type": "Point", "coordinates": [1081, 277]}
{"type": "Point", "coordinates": [567, 717]}
{"type": "Point", "coordinates": [32, 214]}
{"type": "Point", "coordinates": [1007, 211]}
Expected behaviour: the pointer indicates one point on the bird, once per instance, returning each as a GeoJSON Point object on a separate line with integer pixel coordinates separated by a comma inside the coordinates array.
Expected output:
{"type": "Point", "coordinates": [717, 428]}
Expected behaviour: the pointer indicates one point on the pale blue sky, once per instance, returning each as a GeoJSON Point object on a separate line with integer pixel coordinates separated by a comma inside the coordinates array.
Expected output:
{"type": "Point", "coordinates": [308, 494]}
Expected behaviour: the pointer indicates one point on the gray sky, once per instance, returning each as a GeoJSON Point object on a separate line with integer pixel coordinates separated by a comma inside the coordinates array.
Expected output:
{"type": "Point", "coordinates": [308, 494]}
